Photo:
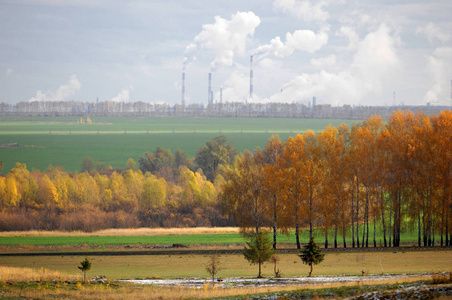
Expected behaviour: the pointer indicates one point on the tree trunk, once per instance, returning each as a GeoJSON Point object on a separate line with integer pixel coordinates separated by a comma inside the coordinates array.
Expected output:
{"type": "Point", "coordinates": [310, 273]}
{"type": "Point", "coordinates": [326, 238]}
{"type": "Point", "coordinates": [274, 221]}
{"type": "Point", "coordinates": [375, 230]}
{"type": "Point", "coordinates": [297, 237]}
{"type": "Point", "coordinates": [260, 274]}
{"type": "Point", "coordinates": [383, 219]}
{"type": "Point", "coordinates": [353, 220]}
{"type": "Point", "coordinates": [335, 237]}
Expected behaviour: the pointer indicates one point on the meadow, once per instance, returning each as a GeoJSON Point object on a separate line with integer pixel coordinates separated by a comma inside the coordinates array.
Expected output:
{"type": "Point", "coordinates": [235, 265]}
{"type": "Point", "coordinates": [61, 141]}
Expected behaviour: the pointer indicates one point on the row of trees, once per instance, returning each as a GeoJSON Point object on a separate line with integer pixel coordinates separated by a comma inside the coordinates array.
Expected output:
{"type": "Point", "coordinates": [291, 109]}
{"type": "Point", "coordinates": [87, 201]}
{"type": "Point", "coordinates": [395, 175]}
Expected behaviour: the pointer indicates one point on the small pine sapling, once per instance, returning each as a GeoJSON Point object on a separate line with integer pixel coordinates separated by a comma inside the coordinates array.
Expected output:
{"type": "Point", "coordinates": [259, 250]}
{"type": "Point", "coordinates": [311, 254]}
{"type": "Point", "coordinates": [85, 266]}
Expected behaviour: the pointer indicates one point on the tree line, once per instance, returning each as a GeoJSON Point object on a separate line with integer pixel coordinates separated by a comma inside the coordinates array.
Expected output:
{"type": "Point", "coordinates": [291, 109]}
{"type": "Point", "coordinates": [396, 176]}
{"type": "Point", "coordinates": [164, 190]}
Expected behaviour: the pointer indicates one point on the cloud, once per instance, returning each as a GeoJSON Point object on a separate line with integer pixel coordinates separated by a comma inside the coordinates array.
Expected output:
{"type": "Point", "coordinates": [303, 9]}
{"type": "Point", "coordinates": [373, 62]}
{"type": "Point", "coordinates": [439, 67]}
{"type": "Point", "coordinates": [224, 38]}
{"type": "Point", "coordinates": [61, 94]}
{"type": "Point", "coordinates": [9, 71]}
{"type": "Point", "coordinates": [432, 33]}
{"type": "Point", "coordinates": [123, 96]}
{"type": "Point", "coordinates": [324, 62]}
{"type": "Point", "coordinates": [302, 40]}
{"type": "Point", "coordinates": [352, 36]}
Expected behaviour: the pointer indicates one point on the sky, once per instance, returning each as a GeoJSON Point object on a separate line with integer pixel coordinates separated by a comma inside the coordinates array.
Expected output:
{"type": "Point", "coordinates": [362, 52]}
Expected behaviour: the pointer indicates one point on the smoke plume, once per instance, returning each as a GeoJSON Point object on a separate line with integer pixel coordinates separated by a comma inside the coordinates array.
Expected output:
{"type": "Point", "coordinates": [61, 94]}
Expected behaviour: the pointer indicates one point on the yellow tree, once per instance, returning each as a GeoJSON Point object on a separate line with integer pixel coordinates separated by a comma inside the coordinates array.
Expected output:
{"type": "Point", "coordinates": [331, 146]}
{"type": "Point", "coordinates": [243, 190]}
{"type": "Point", "coordinates": [442, 128]}
{"type": "Point", "coordinates": [293, 169]}
{"type": "Point", "coordinates": [272, 186]}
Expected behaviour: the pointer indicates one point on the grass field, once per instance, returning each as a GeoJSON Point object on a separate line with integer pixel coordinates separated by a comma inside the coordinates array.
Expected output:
{"type": "Point", "coordinates": [169, 236]}
{"type": "Point", "coordinates": [234, 265]}
{"type": "Point", "coordinates": [112, 140]}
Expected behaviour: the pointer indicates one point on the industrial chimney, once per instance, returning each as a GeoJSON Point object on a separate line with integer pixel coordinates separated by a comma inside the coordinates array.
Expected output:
{"type": "Point", "coordinates": [209, 92]}
{"type": "Point", "coordinates": [251, 77]}
{"type": "Point", "coordinates": [183, 89]}
{"type": "Point", "coordinates": [221, 94]}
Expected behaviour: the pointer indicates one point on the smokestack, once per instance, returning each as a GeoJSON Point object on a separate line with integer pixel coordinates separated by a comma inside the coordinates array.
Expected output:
{"type": "Point", "coordinates": [314, 101]}
{"type": "Point", "coordinates": [183, 88]}
{"type": "Point", "coordinates": [209, 92]}
{"type": "Point", "coordinates": [221, 93]}
{"type": "Point", "coordinates": [251, 77]}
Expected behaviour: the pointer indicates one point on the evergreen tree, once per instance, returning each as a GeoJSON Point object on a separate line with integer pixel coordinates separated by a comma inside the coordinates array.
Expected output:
{"type": "Point", "coordinates": [84, 267]}
{"type": "Point", "coordinates": [311, 254]}
{"type": "Point", "coordinates": [259, 250]}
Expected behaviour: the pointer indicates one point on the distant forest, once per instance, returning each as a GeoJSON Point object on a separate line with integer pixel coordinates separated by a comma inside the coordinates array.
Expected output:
{"type": "Point", "coordinates": [227, 109]}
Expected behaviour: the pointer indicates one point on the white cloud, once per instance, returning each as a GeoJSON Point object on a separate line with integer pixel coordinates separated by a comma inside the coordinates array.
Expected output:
{"type": "Point", "coordinates": [324, 62]}
{"type": "Point", "coordinates": [9, 71]}
{"type": "Point", "coordinates": [123, 96]}
{"type": "Point", "coordinates": [224, 38]}
{"type": "Point", "coordinates": [302, 40]}
{"type": "Point", "coordinates": [374, 60]}
{"type": "Point", "coordinates": [439, 67]}
{"type": "Point", "coordinates": [61, 94]}
{"type": "Point", "coordinates": [303, 9]}
{"type": "Point", "coordinates": [432, 33]}
{"type": "Point", "coordinates": [352, 36]}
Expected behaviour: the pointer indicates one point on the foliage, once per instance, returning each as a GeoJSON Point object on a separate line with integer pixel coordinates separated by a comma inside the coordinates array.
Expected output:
{"type": "Point", "coordinates": [259, 250]}
{"type": "Point", "coordinates": [87, 164]}
{"type": "Point", "coordinates": [85, 266]}
{"type": "Point", "coordinates": [311, 254]}
{"type": "Point", "coordinates": [218, 151]}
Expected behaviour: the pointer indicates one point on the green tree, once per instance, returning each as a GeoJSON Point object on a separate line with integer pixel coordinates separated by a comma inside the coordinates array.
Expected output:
{"type": "Point", "coordinates": [153, 162]}
{"type": "Point", "coordinates": [311, 254]}
{"type": "Point", "coordinates": [259, 250]}
{"type": "Point", "coordinates": [87, 164]}
{"type": "Point", "coordinates": [85, 266]}
{"type": "Point", "coordinates": [217, 151]}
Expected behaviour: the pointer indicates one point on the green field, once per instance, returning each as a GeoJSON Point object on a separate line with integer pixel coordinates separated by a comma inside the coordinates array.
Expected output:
{"type": "Point", "coordinates": [192, 239]}
{"type": "Point", "coordinates": [61, 141]}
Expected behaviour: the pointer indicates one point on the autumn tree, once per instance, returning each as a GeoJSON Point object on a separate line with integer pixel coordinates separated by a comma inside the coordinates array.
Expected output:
{"type": "Point", "coordinates": [272, 186]}
{"type": "Point", "coordinates": [213, 266]}
{"type": "Point", "coordinates": [244, 192]}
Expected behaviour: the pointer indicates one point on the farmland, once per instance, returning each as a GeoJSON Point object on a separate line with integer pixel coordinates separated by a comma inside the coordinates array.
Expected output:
{"type": "Point", "coordinates": [112, 140]}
